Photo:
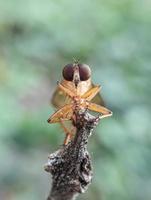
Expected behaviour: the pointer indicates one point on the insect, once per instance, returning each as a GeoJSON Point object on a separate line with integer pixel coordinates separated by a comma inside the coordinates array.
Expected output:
{"type": "Point", "coordinates": [74, 93]}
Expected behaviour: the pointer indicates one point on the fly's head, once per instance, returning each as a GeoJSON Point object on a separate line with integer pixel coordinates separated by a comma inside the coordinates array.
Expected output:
{"type": "Point", "coordinates": [76, 73]}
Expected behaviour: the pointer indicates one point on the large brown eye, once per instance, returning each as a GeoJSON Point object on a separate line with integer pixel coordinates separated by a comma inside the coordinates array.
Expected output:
{"type": "Point", "coordinates": [84, 71]}
{"type": "Point", "coordinates": [67, 72]}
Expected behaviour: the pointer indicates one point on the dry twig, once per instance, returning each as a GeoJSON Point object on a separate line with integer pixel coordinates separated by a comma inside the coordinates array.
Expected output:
{"type": "Point", "coordinates": [70, 166]}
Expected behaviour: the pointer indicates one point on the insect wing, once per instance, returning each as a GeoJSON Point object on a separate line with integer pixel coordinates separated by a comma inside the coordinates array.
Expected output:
{"type": "Point", "coordinates": [59, 98]}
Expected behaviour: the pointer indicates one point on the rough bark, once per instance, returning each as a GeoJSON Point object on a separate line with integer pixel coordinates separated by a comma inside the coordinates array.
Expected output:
{"type": "Point", "coordinates": [70, 166]}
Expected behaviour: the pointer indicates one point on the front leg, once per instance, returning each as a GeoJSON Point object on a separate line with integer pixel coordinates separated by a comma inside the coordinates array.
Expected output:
{"type": "Point", "coordinates": [64, 113]}
{"type": "Point", "coordinates": [100, 109]}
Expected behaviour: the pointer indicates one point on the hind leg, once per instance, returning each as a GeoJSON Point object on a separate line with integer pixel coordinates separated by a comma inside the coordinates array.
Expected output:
{"type": "Point", "coordinates": [69, 133]}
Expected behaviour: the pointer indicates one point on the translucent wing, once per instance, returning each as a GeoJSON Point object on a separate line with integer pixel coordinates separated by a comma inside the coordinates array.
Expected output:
{"type": "Point", "coordinates": [98, 98]}
{"type": "Point", "coordinates": [59, 97]}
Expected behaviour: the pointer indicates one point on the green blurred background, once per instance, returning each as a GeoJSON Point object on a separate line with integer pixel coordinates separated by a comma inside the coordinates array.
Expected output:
{"type": "Point", "coordinates": [37, 38]}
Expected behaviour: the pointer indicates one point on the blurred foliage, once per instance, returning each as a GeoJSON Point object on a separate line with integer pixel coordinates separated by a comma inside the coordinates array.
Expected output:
{"type": "Point", "coordinates": [38, 37]}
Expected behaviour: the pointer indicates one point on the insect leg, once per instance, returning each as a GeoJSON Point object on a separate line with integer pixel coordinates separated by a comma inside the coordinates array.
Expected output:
{"type": "Point", "coordinates": [90, 94]}
{"type": "Point", "coordinates": [66, 90]}
{"type": "Point", "coordinates": [67, 132]}
{"type": "Point", "coordinates": [65, 113]}
{"type": "Point", "coordinates": [69, 136]}
{"type": "Point", "coordinates": [100, 109]}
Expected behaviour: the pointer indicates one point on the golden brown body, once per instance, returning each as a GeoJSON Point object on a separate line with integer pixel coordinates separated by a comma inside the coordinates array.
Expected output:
{"type": "Point", "coordinates": [73, 95]}
{"type": "Point", "coordinates": [60, 98]}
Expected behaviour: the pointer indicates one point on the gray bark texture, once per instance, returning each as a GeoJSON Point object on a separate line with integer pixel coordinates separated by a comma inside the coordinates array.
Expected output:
{"type": "Point", "coordinates": [70, 166]}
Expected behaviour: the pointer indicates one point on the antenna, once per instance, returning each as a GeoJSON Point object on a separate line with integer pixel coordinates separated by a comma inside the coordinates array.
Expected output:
{"type": "Point", "coordinates": [76, 61]}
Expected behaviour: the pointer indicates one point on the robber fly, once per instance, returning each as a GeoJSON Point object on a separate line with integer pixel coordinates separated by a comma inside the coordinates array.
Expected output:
{"type": "Point", "coordinates": [74, 93]}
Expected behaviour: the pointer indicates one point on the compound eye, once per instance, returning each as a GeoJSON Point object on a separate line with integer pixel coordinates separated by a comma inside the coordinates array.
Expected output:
{"type": "Point", "coordinates": [84, 71]}
{"type": "Point", "coordinates": [68, 72]}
